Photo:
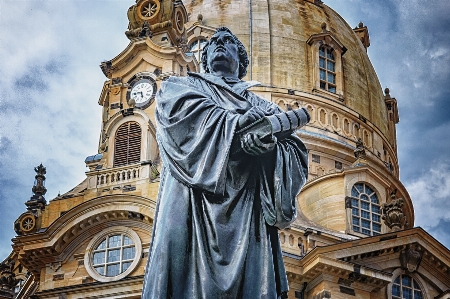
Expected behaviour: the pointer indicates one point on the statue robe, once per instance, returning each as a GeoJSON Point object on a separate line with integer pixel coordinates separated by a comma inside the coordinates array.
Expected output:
{"type": "Point", "coordinates": [215, 232]}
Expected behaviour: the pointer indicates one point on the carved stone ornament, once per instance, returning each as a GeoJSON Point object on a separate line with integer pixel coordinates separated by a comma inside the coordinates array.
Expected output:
{"type": "Point", "coordinates": [410, 258]}
{"type": "Point", "coordinates": [26, 223]}
{"type": "Point", "coordinates": [393, 215]}
{"type": "Point", "coordinates": [55, 266]}
{"type": "Point", "coordinates": [182, 43]}
{"type": "Point", "coordinates": [7, 279]}
{"type": "Point", "coordinates": [38, 187]}
{"type": "Point", "coordinates": [146, 31]}
{"type": "Point", "coordinates": [104, 145]}
{"type": "Point", "coordinates": [107, 68]}
{"type": "Point", "coordinates": [37, 201]}
{"type": "Point", "coordinates": [322, 295]}
{"type": "Point", "coordinates": [359, 151]}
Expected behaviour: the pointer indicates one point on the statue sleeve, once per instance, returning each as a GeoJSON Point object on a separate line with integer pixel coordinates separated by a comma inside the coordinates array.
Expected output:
{"type": "Point", "coordinates": [194, 134]}
{"type": "Point", "coordinates": [281, 182]}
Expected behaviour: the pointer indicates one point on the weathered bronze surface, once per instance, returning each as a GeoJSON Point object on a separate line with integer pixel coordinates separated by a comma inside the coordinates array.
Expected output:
{"type": "Point", "coordinates": [216, 226]}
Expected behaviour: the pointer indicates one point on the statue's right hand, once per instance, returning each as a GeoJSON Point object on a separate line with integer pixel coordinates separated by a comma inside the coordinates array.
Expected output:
{"type": "Point", "coordinates": [249, 117]}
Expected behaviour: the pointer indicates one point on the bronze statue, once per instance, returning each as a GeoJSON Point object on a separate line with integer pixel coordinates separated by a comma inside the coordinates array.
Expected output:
{"type": "Point", "coordinates": [232, 169]}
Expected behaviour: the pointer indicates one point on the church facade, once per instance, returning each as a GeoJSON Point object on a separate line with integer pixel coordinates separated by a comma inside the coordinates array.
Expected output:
{"type": "Point", "coordinates": [354, 236]}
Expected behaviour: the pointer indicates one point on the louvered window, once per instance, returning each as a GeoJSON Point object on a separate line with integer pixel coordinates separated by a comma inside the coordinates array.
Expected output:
{"type": "Point", "coordinates": [127, 144]}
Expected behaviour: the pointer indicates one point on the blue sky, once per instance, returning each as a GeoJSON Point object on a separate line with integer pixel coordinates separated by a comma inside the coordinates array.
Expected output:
{"type": "Point", "coordinates": [50, 83]}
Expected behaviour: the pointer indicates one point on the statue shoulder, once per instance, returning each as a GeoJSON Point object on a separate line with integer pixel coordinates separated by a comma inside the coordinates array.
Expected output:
{"type": "Point", "coordinates": [180, 80]}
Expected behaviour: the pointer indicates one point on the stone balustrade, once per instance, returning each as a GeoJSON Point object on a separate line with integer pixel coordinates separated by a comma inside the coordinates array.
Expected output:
{"type": "Point", "coordinates": [118, 175]}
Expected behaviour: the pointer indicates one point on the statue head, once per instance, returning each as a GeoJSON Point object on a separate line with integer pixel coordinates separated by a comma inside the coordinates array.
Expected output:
{"type": "Point", "coordinates": [227, 59]}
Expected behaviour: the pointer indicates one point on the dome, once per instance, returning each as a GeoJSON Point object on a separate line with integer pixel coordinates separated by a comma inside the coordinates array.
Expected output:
{"type": "Point", "coordinates": [281, 56]}
{"type": "Point", "coordinates": [306, 55]}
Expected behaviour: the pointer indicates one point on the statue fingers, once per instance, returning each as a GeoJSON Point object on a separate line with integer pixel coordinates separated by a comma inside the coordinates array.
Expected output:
{"type": "Point", "coordinates": [248, 145]}
{"type": "Point", "coordinates": [265, 146]}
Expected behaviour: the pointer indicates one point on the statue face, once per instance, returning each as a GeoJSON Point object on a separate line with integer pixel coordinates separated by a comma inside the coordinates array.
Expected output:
{"type": "Point", "coordinates": [223, 54]}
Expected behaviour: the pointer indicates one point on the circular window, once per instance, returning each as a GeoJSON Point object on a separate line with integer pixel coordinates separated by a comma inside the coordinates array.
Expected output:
{"type": "Point", "coordinates": [179, 20]}
{"type": "Point", "coordinates": [113, 254]}
{"type": "Point", "coordinates": [149, 9]}
{"type": "Point", "coordinates": [28, 223]}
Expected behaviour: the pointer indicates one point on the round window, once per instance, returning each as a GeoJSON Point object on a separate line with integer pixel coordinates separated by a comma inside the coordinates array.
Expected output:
{"type": "Point", "coordinates": [113, 254]}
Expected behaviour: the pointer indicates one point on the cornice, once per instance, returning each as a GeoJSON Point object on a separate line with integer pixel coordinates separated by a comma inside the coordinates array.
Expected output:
{"type": "Point", "coordinates": [95, 287]}
{"type": "Point", "coordinates": [436, 255]}
{"type": "Point", "coordinates": [35, 250]}
{"type": "Point", "coordinates": [146, 44]}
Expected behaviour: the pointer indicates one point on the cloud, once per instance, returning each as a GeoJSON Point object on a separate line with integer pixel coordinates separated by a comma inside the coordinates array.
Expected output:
{"type": "Point", "coordinates": [431, 193]}
{"type": "Point", "coordinates": [410, 47]}
{"type": "Point", "coordinates": [51, 82]}
{"type": "Point", "coordinates": [49, 90]}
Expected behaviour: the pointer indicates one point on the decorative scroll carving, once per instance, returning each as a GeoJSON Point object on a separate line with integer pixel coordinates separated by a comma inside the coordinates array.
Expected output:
{"type": "Point", "coordinates": [393, 215]}
{"type": "Point", "coordinates": [7, 279]}
{"type": "Point", "coordinates": [411, 257]}
{"type": "Point", "coordinates": [107, 68]}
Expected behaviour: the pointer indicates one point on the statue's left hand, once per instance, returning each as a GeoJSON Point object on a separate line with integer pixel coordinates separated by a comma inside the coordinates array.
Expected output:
{"type": "Point", "coordinates": [252, 145]}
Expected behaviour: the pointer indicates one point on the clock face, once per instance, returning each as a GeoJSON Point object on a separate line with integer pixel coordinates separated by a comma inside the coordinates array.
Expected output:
{"type": "Point", "coordinates": [142, 92]}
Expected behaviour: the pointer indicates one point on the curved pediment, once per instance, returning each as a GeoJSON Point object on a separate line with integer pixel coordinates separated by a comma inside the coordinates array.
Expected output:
{"type": "Point", "coordinates": [115, 67]}
{"type": "Point", "coordinates": [82, 221]}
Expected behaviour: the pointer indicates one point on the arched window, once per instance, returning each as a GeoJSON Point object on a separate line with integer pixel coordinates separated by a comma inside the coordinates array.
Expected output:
{"type": "Point", "coordinates": [327, 69]}
{"type": "Point", "coordinates": [405, 286]}
{"type": "Point", "coordinates": [366, 213]}
{"type": "Point", "coordinates": [127, 144]}
{"type": "Point", "coordinates": [196, 49]}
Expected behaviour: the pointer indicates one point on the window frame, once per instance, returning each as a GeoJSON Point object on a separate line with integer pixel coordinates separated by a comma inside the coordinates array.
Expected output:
{"type": "Point", "coordinates": [96, 241]}
{"type": "Point", "coordinates": [315, 158]}
{"type": "Point", "coordinates": [351, 198]}
{"type": "Point", "coordinates": [400, 272]}
{"type": "Point", "coordinates": [316, 41]}
{"type": "Point", "coordinates": [328, 57]}
{"type": "Point", "coordinates": [126, 138]}
{"type": "Point", "coordinates": [198, 53]}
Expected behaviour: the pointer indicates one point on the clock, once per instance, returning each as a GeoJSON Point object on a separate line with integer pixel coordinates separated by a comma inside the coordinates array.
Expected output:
{"type": "Point", "coordinates": [142, 90]}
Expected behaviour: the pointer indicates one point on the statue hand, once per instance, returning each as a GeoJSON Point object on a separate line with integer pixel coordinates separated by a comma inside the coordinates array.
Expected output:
{"type": "Point", "coordinates": [249, 117]}
{"type": "Point", "coordinates": [252, 145]}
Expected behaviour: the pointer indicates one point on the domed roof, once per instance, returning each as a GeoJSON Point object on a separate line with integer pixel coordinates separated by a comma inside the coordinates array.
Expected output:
{"type": "Point", "coordinates": [281, 56]}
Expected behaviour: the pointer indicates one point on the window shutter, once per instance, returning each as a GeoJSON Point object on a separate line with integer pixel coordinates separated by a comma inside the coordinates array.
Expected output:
{"type": "Point", "coordinates": [127, 144]}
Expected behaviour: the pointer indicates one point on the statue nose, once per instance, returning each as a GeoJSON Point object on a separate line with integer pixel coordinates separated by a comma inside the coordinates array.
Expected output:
{"type": "Point", "coordinates": [220, 41]}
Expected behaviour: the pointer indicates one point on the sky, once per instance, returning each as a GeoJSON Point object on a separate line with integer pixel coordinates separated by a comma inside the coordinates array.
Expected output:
{"type": "Point", "coordinates": [50, 82]}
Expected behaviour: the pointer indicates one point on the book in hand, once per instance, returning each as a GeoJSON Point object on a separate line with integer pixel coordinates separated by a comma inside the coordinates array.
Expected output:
{"type": "Point", "coordinates": [281, 125]}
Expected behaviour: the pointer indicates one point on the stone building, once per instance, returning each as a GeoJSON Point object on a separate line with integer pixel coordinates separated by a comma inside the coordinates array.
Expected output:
{"type": "Point", "coordinates": [354, 236]}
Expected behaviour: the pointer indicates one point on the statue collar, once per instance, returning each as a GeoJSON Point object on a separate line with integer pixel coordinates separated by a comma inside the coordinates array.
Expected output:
{"type": "Point", "coordinates": [238, 88]}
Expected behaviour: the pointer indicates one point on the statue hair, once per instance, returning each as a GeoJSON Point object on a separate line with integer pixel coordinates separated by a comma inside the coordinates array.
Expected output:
{"type": "Point", "coordinates": [243, 56]}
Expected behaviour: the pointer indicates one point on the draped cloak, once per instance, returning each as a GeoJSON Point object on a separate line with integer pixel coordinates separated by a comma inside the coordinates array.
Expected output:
{"type": "Point", "coordinates": [215, 232]}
